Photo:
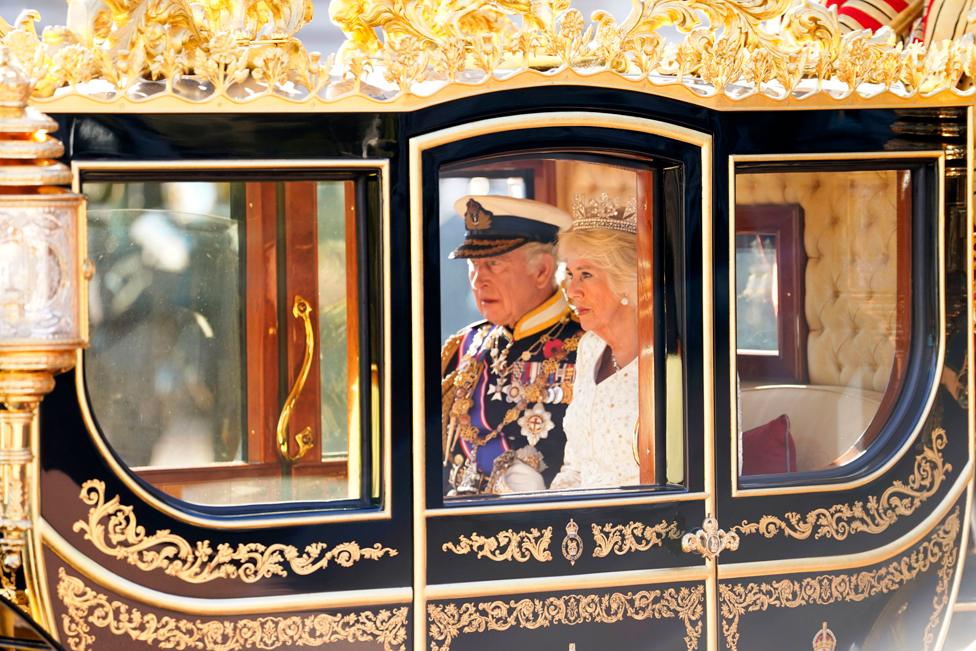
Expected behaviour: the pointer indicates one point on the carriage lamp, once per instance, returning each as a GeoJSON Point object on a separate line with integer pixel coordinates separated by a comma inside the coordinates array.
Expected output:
{"type": "Point", "coordinates": [42, 302]}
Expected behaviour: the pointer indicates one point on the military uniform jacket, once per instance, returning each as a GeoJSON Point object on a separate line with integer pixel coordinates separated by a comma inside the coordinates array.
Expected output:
{"type": "Point", "coordinates": [506, 388]}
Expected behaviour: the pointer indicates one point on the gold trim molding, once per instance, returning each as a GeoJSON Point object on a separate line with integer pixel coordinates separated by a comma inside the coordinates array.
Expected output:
{"type": "Point", "coordinates": [508, 545]}
{"type": "Point", "coordinates": [940, 550]}
{"type": "Point", "coordinates": [623, 539]}
{"type": "Point", "coordinates": [874, 516]}
{"type": "Point", "coordinates": [114, 530]}
{"type": "Point", "coordinates": [87, 609]}
{"type": "Point", "coordinates": [774, 50]}
{"type": "Point", "coordinates": [448, 621]}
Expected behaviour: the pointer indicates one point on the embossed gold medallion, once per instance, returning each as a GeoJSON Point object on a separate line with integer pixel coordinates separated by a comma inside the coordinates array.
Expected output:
{"type": "Point", "coordinates": [824, 640]}
{"type": "Point", "coordinates": [572, 544]}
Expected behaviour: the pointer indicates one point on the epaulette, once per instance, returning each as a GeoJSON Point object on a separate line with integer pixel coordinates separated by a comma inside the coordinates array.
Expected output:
{"type": "Point", "coordinates": [451, 345]}
{"type": "Point", "coordinates": [448, 392]}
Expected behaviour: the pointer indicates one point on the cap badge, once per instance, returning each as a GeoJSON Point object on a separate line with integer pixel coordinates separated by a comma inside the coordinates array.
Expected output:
{"type": "Point", "coordinates": [476, 218]}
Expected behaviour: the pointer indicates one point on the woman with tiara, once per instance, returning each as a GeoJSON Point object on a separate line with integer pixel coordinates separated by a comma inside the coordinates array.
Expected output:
{"type": "Point", "coordinates": [600, 254]}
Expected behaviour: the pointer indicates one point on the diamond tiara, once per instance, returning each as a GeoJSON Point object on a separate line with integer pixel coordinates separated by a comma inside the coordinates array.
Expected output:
{"type": "Point", "coordinates": [603, 213]}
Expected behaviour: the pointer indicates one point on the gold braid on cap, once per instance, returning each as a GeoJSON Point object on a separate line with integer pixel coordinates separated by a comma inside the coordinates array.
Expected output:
{"type": "Point", "coordinates": [604, 214]}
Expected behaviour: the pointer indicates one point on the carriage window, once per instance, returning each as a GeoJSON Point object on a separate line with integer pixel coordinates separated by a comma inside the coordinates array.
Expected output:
{"type": "Point", "coordinates": [547, 321]}
{"type": "Point", "coordinates": [822, 266]}
{"type": "Point", "coordinates": [225, 359]}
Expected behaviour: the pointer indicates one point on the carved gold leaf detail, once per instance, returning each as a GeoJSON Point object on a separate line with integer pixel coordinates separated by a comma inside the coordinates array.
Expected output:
{"type": "Point", "coordinates": [940, 550]}
{"type": "Point", "coordinates": [623, 539]}
{"type": "Point", "coordinates": [448, 621]}
{"type": "Point", "coordinates": [778, 49]}
{"type": "Point", "coordinates": [508, 545]}
{"type": "Point", "coordinates": [113, 529]}
{"type": "Point", "coordinates": [875, 515]}
{"type": "Point", "coordinates": [87, 609]}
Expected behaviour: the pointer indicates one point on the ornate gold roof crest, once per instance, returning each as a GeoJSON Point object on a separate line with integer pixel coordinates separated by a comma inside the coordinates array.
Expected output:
{"type": "Point", "coordinates": [175, 54]}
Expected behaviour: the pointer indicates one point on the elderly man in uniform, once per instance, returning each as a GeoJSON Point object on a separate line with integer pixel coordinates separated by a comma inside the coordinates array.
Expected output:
{"type": "Point", "coordinates": [508, 379]}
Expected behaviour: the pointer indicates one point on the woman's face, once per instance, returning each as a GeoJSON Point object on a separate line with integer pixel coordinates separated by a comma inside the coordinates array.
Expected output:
{"type": "Point", "coordinates": [588, 289]}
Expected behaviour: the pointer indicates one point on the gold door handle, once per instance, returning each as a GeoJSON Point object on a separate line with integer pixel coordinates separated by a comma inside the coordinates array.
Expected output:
{"type": "Point", "coordinates": [300, 310]}
{"type": "Point", "coordinates": [709, 541]}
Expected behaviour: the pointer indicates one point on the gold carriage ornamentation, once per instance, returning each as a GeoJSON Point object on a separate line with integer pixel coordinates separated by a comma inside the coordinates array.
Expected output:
{"type": "Point", "coordinates": [141, 51]}
{"type": "Point", "coordinates": [335, 170]}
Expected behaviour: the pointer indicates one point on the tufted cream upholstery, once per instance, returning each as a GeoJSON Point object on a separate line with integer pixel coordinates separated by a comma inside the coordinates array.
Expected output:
{"type": "Point", "coordinates": [850, 280]}
{"type": "Point", "coordinates": [850, 287]}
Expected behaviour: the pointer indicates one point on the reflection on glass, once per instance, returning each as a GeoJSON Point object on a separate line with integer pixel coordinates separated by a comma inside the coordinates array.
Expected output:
{"type": "Point", "coordinates": [333, 351]}
{"type": "Point", "coordinates": [194, 347]}
{"type": "Point", "coordinates": [756, 292]}
{"type": "Point", "coordinates": [849, 263]}
{"type": "Point", "coordinates": [165, 325]}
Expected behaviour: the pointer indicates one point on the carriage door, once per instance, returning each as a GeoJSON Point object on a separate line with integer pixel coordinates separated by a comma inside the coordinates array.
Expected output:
{"type": "Point", "coordinates": [223, 465]}
{"type": "Point", "coordinates": [519, 542]}
{"type": "Point", "coordinates": [843, 468]}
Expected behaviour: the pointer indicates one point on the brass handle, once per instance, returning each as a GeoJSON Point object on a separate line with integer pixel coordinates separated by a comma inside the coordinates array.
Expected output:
{"type": "Point", "coordinates": [300, 310]}
{"type": "Point", "coordinates": [710, 541]}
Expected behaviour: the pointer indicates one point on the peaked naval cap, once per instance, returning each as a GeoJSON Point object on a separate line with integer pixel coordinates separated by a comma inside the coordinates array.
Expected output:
{"type": "Point", "coordinates": [494, 225]}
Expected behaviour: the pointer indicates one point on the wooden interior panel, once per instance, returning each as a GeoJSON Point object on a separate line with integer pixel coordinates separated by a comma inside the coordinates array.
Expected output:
{"type": "Point", "coordinates": [261, 292]}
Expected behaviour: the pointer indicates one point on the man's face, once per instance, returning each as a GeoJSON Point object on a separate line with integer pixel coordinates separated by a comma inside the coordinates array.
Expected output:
{"type": "Point", "coordinates": [507, 286]}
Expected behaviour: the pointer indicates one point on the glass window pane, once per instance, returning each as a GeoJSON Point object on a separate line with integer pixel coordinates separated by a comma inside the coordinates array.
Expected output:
{"type": "Point", "coordinates": [548, 330]}
{"type": "Point", "coordinates": [165, 322]}
{"type": "Point", "coordinates": [200, 375]}
{"type": "Point", "coordinates": [821, 259]}
{"type": "Point", "coordinates": [334, 352]}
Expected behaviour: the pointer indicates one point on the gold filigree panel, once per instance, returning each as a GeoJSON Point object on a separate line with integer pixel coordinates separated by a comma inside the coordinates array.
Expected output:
{"type": "Point", "coordinates": [775, 49]}
{"type": "Point", "coordinates": [113, 529]}
{"type": "Point", "coordinates": [448, 621]}
{"type": "Point", "coordinates": [623, 539]}
{"type": "Point", "coordinates": [940, 550]}
{"type": "Point", "coordinates": [508, 545]}
{"type": "Point", "coordinates": [875, 515]}
{"type": "Point", "coordinates": [88, 610]}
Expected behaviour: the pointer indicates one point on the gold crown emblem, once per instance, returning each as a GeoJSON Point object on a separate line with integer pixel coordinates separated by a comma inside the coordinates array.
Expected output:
{"type": "Point", "coordinates": [572, 528]}
{"type": "Point", "coordinates": [824, 640]}
{"type": "Point", "coordinates": [603, 213]}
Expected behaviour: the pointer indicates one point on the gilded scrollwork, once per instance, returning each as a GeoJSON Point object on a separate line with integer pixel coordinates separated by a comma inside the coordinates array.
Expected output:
{"type": "Point", "coordinates": [87, 610]}
{"type": "Point", "coordinates": [940, 550]}
{"type": "Point", "coordinates": [448, 621]}
{"type": "Point", "coordinates": [114, 530]}
{"type": "Point", "coordinates": [623, 539]}
{"type": "Point", "coordinates": [777, 49]}
{"type": "Point", "coordinates": [874, 515]}
{"type": "Point", "coordinates": [508, 545]}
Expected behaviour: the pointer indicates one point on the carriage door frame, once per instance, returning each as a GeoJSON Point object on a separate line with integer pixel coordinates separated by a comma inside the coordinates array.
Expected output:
{"type": "Point", "coordinates": [699, 570]}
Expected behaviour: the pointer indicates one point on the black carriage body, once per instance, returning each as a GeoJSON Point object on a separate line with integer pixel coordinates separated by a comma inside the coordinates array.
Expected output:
{"type": "Point", "coordinates": [870, 549]}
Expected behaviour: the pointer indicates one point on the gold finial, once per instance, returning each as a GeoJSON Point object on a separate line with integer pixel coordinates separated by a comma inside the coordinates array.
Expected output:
{"type": "Point", "coordinates": [27, 152]}
{"type": "Point", "coordinates": [603, 213]}
{"type": "Point", "coordinates": [15, 87]}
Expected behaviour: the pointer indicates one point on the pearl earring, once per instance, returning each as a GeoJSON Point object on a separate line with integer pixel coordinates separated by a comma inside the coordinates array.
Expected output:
{"type": "Point", "coordinates": [624, 300]}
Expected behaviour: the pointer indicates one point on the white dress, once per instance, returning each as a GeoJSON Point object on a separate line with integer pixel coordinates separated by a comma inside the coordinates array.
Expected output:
{"type": "Point", "coordinates": [600, 424]}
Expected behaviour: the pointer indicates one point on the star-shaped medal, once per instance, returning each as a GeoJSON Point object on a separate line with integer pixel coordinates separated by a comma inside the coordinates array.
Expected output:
{"type": "Point", "coordinates": [536, 423]}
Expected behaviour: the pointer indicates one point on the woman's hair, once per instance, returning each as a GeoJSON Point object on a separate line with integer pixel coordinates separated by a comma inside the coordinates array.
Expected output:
{"type": "Point", "coordinates": [612, 251]}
